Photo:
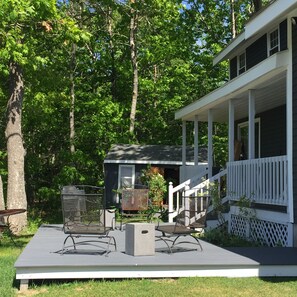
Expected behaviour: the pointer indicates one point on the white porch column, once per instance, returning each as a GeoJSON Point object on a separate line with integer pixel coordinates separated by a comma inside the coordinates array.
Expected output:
{"type": "Point", "coordinates": [210, 144]}
{"type": "Point", "coordinates": [252, 113]}
{"type": "Point", "coordinates": [196, 145]}
{"type": "Point", "coordinates": [184, 145]}
{"type": "Point", "coordinates": [231, 131]}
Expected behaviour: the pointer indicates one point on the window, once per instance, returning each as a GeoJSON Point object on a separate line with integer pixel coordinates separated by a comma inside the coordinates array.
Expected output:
{"type": "Point", "coordinates": [242, 133]}
{"type": "Point", "coordinates": [241, 63]}
{"type": "Point", "coordinates": [126, 176]}
{"type": "Point", "coordinates": [273, 42]}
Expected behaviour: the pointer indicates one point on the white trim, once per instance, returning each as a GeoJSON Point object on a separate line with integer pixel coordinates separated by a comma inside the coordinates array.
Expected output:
{"type": "Point", "coordinates": [150, 162]}
{"type": "Point", "coordinates": [132, 177]}
{"type": "Point", "coordinates": [265, 215]}
{"type": "Point", "coordinates": [269, 48]}
{"type": "Point", "coordinates": [231, 131]}
{"type": "Point", "coordinates": [251, 135]}
{"type": "Point", "coordinates": [196, 144]}
{"type": "Point", "coordinates": [238, 63]}
{"type": "Point", "coordinates": [246, 124]}
{"type": "Point", "coordinates": [265, 70]}
{"type": "Point", "coordinates": [226, 51]}
{"type": "Point", "coordinates": [210, 144]}
{"type": "Point", "coordinates": [184, 143]}
{"type": "Point", "coordinates": [271, 15]}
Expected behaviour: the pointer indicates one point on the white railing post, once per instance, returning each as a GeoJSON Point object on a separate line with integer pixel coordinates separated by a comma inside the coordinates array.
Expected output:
{"type": "Point", "coordinates": [170, 202]}
{"type": "Point", "coordinates": [186, 204]}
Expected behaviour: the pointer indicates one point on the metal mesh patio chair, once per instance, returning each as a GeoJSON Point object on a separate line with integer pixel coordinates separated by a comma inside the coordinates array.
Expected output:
{"type": "Point", "coordinates": [184, 231]}
{"type": "Point", "coordinates": [134, 204]}
{"type": "Point", "coordinates": [84, 219]}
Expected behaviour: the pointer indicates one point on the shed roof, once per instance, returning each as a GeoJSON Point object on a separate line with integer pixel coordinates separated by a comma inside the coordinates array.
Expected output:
{"type": "Point", "coordinates": [152, 154]}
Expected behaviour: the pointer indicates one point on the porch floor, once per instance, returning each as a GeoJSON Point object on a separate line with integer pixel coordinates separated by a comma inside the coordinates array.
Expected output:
{"type": "Point", "coordinates": [41, 260]}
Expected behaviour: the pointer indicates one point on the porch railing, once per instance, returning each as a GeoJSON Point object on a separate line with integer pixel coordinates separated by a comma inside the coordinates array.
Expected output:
{"type": "Point", "coordinates": [178, 195]}
{"type": "Point", "coordinates": [261, 180]}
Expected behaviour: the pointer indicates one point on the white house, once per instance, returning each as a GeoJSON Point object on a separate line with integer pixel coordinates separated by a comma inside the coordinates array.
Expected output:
{"type": "Point", "coordinates": [259, 103]}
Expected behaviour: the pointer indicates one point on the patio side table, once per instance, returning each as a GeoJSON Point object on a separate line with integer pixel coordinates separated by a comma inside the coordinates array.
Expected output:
{"type": "Point", "coordinates": [140, 239]}
{"type": "Point", "coordinates": [7, 213]}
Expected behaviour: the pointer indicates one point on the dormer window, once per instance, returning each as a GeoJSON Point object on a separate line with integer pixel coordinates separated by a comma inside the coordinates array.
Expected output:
{"type": "Point", "coordinates": [273, 42]}
{"type": "Point", "coordinates": [241, 63]}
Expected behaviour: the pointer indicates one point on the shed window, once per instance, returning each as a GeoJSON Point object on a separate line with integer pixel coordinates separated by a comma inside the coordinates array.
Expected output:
{"type": "Point", "coordinates": [126, 176]}
{"type": "Point", "coordinates": [273, 42]}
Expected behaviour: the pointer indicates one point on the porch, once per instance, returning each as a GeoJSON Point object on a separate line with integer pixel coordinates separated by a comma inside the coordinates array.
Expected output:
{"type": "Point", "coordinates": [40, 260]}
{"type": "Point", "coordinates": [255, 192]}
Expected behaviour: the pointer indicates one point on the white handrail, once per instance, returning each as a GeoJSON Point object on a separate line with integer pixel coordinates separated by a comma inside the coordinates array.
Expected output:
{"type": "Point", "coordinates": [175, 194]}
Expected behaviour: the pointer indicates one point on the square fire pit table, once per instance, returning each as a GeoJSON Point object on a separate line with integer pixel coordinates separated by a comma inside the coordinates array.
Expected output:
{"type": "Point", "coordinates": [140, 239]}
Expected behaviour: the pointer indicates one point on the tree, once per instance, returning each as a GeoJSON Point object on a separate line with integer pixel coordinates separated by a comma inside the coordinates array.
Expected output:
{"type": "Point", "coordinates": [134, 62]}
{"type": "Point", "coordinates": [19, 22]}
{"type": "Point", "coordinates": [25, 25]}
{"type": "Point", "coordinates": [16, 194]}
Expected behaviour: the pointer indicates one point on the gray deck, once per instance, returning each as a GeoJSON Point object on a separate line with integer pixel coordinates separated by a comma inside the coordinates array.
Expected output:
{"type": "Point", "coordinates": [41, 260]}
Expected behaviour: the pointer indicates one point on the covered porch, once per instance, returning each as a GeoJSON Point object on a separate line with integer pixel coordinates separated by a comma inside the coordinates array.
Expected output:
{"type": "Point", "coordinates": [257, 107]}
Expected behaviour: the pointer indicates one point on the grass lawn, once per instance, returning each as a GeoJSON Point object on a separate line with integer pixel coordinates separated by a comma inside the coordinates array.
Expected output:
{"type": "Point", "coordinates": [214, 287]}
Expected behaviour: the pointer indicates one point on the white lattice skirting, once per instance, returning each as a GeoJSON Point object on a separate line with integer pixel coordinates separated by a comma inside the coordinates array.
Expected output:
{"type": "Point", "coordinates": [264, 232]}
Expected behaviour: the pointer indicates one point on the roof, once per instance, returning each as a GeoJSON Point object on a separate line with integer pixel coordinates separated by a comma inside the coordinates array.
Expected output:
{"type": "Point", "coordinates": [152, 154]}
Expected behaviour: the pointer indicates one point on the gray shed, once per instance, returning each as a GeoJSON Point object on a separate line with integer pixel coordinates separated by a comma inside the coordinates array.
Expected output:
{"type": "Point", "coordinates": [124, 163]}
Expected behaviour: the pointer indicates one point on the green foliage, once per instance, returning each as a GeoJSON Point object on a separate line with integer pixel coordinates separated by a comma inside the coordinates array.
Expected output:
{"type": "Point", "coordinates": [156, 184]}
{"type": "Point", "coordinates": [176, 45]}
{"type": "Point", "coordinates": [246, 209]}
{"type": "Point", "coordinates": [220, 237]}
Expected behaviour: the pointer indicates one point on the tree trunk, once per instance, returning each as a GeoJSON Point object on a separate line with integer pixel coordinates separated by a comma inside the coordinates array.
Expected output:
{"type": "Point", "coordinates": [72, 98]}
{"type": "Point", "coordinates": [133, 51]}
{"type": "Point", "coordinates": [16, 194]}
{"type": "Point", "coordinates": [113, 76]}
{"type": "Point", "coordinates": [233, 21]}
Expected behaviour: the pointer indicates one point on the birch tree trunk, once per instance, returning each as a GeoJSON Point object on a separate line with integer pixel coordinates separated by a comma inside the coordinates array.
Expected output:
{"type": "Point", "coordinates": [112, 54]}
{"type": "Point", "coordinates": [233, 20]}
{"type": "Point", "coordinates": [16, 194]}
{"type": "Point", "coordinates": [133, 51]}
{"type": "Point", "coordinates": [72, 98]}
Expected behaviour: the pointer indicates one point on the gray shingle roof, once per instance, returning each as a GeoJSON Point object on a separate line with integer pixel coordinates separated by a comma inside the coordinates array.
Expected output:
{"type": "Point", "coordinates": [158, 154]}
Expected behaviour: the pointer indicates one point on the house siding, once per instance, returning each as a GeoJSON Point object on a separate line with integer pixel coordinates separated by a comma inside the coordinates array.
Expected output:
{"type": "Point", "coordinates": [233, 68]}
{"type": "Point", "coordinates": [283, 29]}
{"type": "Point", "coordinates": [294, 61]}
{"type": "Point", "coordinates": [272, 133]}
{"type": "Point", "coordinates": [256, 52]}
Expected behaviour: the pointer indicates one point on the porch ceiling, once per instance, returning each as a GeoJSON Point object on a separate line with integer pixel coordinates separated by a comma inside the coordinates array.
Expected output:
{"type": "Point", "coordinates": [269, 95]}
{"type": "Point", "coordinates": [268, 80]}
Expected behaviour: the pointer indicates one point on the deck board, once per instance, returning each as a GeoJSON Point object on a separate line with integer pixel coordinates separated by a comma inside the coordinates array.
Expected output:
{"type": "Point", "coordinates": [40, 260]}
